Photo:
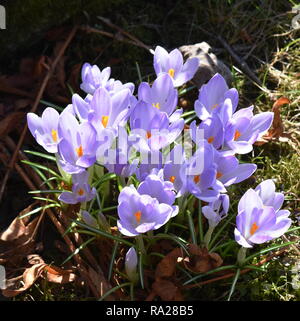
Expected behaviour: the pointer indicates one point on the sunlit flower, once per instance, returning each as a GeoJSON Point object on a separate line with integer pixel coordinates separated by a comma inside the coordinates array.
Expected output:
{"type": "Point", "coordinates": [257, 223]}
{"type": "Point", "coordinates": [44, 129]}
{"type": "Point", "coordinates": [172, 64]}
{"type": "Point", "coordinates": [140, 213]}
{"type": "Point", "coordinates": [81, 190]}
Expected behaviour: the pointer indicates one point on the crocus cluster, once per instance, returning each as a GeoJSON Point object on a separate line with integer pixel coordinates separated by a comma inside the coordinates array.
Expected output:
{"type": "Point", "coordinates": [141, 135]}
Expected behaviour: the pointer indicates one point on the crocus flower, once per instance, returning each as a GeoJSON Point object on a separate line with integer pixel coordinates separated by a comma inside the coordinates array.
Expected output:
{"type": "Point", "coordinates": [109, 111]}
{"type": "Point", "coordinates": [44, 129]}
{"type": "Point", "coordinates": [93, 78]}
{"type": "Point", "coordinates": [173, 169]}
{"type": "Point", "coordinates": [151, 129]}
{"type": "Point", "coordinates": [201, 173]}
{"type": "Point", "coordinates": [242, 131]}
{"type": "Point", "coordinates": [131, 262]}
{"type": "Point", "coordinates": [81, 190]}
{"type": "Point", "coordinates": [217, 210]}
{"type": "Point", "coordinates": [155, 186]}
{"type": "Point", "coordinates": [78, 145]}
{"type": "Point", "coordinates": [212, 130]}
{"type": "Point", "coordinates": [256, 223]}
{"type": "Point", "coordinates": [140, 213]}
{"type": "Point", "coordinates": [212, 97]}
{"type": "Point", "coordinates": [229, 171]}
{"type": "Point", "coordinates": [161, 95]}
{"type": "Point", "coordinates": [172, 64]}
{"type": "Point", "coordinates": [266, 191]}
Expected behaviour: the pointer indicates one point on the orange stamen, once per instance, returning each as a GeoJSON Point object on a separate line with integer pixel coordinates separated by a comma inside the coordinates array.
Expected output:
{"type": "Point", "coordinates": [54, 135]}
{"type": "Point", "coordinates": [214, 106]}
{"type": "Point", "coordinates": [211, 139]}
{"type": "Point", "coordinates": [80, 192]}
{"type": "Point", "coordinates": [219, 174]}
{"type": "Point", "coordinates": [171, 72]}
{"type": "Point", "coordinates": [172, 179]}
{"type": "Point", "coordinates": [197, 179]}
{"type": "Point", "coordinates": [138, 215]}
{"type": "Point", "coordinates": [104, 121]}
{"type": "Point", "coordinates": [148, 134]}
{"type": "Point", "coordinates": [253, 228]}
{"type": "Point", "coordinates": [237, 135]}
{"type": "Point", "coordinates": [79, 151]}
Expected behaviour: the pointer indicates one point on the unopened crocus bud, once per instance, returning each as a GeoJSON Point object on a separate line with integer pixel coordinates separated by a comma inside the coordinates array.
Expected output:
{"type": "Point", "coordinates": [131, 262]}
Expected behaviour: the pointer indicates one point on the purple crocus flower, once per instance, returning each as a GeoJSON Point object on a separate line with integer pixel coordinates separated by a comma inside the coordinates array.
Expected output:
{"type": "Point", "coordinates": [151, 129]}
{"type": "Point", "coordinates": [44, 129]}
{"type": "Point", "coordinates": [243, 129]}
{"type": "Point", "coordinates": [172, 64]}
{"type": "Point", "coordinates": [201, 173]}
{"type": "Point", "coordinates": [256, 223]}
{"type": "Point", "coordinates": [266, 191]}
{"type": "Point", "coordinates": [93, 78]}
{"type": "Point", "coordinates": [155, 186]}
{"type": "Point", "coordinates": [174, 169]}
{"type": "Point", "coordinates": [131, 262]}
{"type": "Point", "coordinates": [78, 145]}
{"type": "Point", "coordinates": [161, 95]}
{"type": "Point", "coordinates": [140, 213]}
{"type": "Point", "coordinates": [109, 111]}
{"type": "Point", "coordinates": [212, 130]}
{"type": "Point", "coordinates": [81, 190]}
{"type": "Point", "coordinates": [212, 97]}
{"type": "Point", "coordinates": [217, 210]}
{"type": "Point", "coordinates": [229, 171]}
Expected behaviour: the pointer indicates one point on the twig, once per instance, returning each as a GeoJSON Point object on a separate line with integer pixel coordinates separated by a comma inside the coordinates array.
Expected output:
{"type": "Point", "coordinates": [111, 35]}
{"type": "Point", "coordinates": [243, 65]}
{"type": "Point", "coordinates": [34, 107]}
{"type": "Point", "coordinates": [127, 34]}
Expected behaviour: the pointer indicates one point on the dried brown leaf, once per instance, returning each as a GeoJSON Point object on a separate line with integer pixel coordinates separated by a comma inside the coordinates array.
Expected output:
{"type": "Point", "coordinates": [167, 290]}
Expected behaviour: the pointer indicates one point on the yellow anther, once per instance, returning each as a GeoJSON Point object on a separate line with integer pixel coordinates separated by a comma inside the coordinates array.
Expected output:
{"type": "Point", "coordinates": [211, 139]}
{"type": "Point", "coordinates": [157, 105]}
{"type": "Point", "coordinates": [219, 175]}
{"type": "Point", "coordinates": [253, 228]}
{"type": "Point", "coordinates": [138, 215]}
{"type": "Point", "coordinates": [237, 135]}
{"type": "Point", "coordinates": [54, 135]}
{"type": "Point", "coordinates": [197, 179]}
{"type": "Point", "coordinates": [171, 72]}
{"type": "Point", "coordinates": [79, 151]}
{"type": "Point", "coordinates": [172, 179]}
{"type": "Point", "coordinates": [104, 121]}
{"type": "Point", "coordinates": [80, 192]}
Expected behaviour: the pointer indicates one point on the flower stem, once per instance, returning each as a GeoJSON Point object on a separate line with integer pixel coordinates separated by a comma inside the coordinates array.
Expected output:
{"type": "Point", "coordinates": [241, 255]}
{"type": "Point", "coordinates": [207, 236]}
{"type": "Point", "coordinates": [200, 223]}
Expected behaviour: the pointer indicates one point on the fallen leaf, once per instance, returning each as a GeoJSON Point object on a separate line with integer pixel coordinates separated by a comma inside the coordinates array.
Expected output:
{"type": "Point", "coordinates": [167, 290]}
{"type": "Point", "coordinates": [277, 129]}
{"type": "Point", "coordinates": [167, 265]}
{"type": "Point", "coordinates": [30, 275]}
{"type": "Point", "coordinates": [200, 260]}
